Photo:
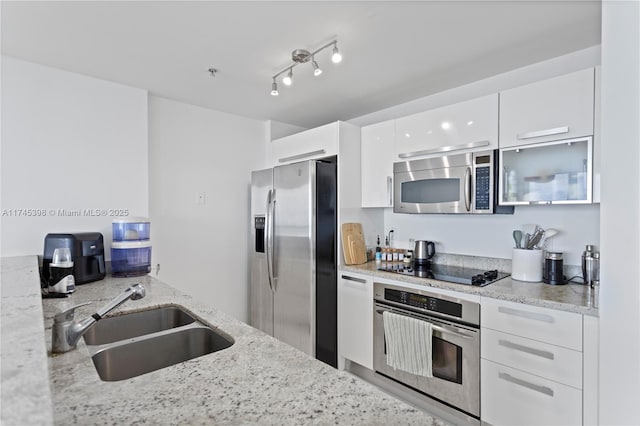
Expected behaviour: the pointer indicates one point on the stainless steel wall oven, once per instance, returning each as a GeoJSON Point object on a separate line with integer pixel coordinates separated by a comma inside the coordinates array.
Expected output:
{"type": "Point", "coordinates": [455, 344]}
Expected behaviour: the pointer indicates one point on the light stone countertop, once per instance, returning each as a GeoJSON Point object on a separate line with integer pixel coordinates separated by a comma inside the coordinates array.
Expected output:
{"type": "Point", "coordinates": [575, 298]}
{"type": "Point", "coordinates": [258, 380]}
{"type": "Point", "coordinates": [25, 396]}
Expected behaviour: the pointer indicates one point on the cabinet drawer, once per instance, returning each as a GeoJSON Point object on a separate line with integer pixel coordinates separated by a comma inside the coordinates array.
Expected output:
{"type": "Point", "coordinates": [511, 397]}
{"type": "Point", "coordinates": [542, 324]}
{"type": "Point", "coordinates": [542, 359]}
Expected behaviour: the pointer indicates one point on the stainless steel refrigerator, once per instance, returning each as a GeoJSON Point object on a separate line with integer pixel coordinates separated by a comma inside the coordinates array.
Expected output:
{"type": "Point", "coordinates": [293, 289]}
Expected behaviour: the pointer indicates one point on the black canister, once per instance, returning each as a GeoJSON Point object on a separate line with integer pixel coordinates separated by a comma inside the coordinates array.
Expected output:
{"type": "Point", "coordinates": [552, 272]}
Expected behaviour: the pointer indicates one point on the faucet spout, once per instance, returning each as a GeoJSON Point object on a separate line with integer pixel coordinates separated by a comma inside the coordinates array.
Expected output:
{"type": "Point", "coordinates": [134, 292]}
{"type": "Point", "coordinates": [67, 332]}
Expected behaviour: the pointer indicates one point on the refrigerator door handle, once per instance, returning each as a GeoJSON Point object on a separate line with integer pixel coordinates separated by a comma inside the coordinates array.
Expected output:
{"type": "Point", "coordinates": [269, 237]}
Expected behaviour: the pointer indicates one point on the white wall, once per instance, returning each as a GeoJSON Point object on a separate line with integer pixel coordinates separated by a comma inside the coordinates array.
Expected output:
{"type": "Point", "coordinates": [491, 236]}
{"type": "Point", "coordinates": [69, 142]}
{"type": "Point", "coordinates": [620, 218]}
{"type": "Point", "coordinates": [202, 248]}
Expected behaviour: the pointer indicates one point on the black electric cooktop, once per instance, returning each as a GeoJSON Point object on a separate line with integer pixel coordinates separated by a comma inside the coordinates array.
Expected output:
{"type": "Point", "coordinates": [452, 274]}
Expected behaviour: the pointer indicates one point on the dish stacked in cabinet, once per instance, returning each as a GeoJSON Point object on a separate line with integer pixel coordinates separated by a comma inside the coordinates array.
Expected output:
{"type": "Point", "coordinates": [131, 247]}
{"type": "Point", "coordinates": [531, 365]}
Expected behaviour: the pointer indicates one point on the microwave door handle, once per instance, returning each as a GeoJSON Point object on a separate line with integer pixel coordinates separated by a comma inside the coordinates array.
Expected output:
{"type": "Point", "coordinates": [467, 189]}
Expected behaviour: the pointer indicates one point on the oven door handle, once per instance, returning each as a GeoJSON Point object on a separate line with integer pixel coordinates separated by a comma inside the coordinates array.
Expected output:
{"type": "Point", "coordinates": [440, 328]}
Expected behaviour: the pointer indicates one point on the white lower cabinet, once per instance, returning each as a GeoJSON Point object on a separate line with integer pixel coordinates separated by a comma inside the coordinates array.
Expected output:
{"type": "Point", "coordinates": [355, 319]}
{"type": "Point", "coordinates": [531, 365]}
{"type": "Point", "coordinates": [514, 397]}
{"type": "Point", "coordinates": [542, 359]}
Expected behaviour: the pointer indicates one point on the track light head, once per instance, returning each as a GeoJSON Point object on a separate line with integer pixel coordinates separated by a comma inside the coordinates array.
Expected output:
{"type": "Point", "coordinates": [336, 57]}
{"type": "Point", "coordinates": [288, 79]}
{"type": "Point", "coordinates": [316, 69]}
{"type": "Point", "coordinates": [274, 88]}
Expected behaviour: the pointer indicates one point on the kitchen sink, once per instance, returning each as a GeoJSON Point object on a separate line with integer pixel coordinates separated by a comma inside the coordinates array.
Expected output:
{"type": "Point", "coordinates": [127, 326]}
{"type": "Point", "coordinates": [129, 359]}
{"type": "Point", "coordinates": [137, 343]}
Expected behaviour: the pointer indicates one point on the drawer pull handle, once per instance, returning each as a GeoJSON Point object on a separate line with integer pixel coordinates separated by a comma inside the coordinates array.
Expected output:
{"type": "Point", "coordinates": [542, 389]}
{"type": "Point", "coordinates": [522, 348]}
{"type": "Point", "coordinates": [358, 280]}
{"type": "Point", "coordinates": [301, 156]}
{"type": "Point", "coordinates": [546, 132]}
{"type": "Point", "coordinates": [526, 314]}
{"type": "Point", "coordinates": [444, 149]}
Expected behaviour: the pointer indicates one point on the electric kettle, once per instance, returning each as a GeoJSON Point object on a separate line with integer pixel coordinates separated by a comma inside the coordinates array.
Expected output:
{"type": "Point", "coordinates": [424, 251]}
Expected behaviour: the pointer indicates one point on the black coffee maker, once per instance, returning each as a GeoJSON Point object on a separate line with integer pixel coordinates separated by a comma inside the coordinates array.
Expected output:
{"type": "Point", "coordinates": [87, 253]}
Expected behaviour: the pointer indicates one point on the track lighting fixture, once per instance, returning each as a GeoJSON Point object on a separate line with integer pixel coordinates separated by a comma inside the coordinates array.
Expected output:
{"type": "Point", "coordinates": [316, 69]}
{"type": "Point", "coordinates": [288, 79]}
{"type": "Point", "coordinates": [301, 56]}
{"type": "Point", "coordinates": [336, 57]}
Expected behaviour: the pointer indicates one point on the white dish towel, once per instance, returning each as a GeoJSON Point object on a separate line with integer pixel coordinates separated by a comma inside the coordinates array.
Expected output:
{"type": "Point", "coordinates": [408, 344]}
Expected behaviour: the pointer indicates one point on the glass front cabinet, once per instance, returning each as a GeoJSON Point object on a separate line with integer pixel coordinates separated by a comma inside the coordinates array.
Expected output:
{"type": "Point", "coordinates": [558, 172]}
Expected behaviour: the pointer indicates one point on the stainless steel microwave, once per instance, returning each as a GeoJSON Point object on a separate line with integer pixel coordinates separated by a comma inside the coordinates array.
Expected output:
{"type": "Point", "coordinates": [458, 184]}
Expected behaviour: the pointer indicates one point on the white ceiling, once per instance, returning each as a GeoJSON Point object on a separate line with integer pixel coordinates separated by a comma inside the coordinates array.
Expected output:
{"type": "Point", "coordinates": [393, 51]}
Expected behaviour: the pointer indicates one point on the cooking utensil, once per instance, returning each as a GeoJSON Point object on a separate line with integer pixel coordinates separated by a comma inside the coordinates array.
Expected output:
{"type": "Point", "coordinates": [550, 233]}
{"type": "Point", "coordinates": [527, 237]}
{"type": "Point", "coordinates": [517, 237]}
{"type": "Point", "coordinates": [535, 239]}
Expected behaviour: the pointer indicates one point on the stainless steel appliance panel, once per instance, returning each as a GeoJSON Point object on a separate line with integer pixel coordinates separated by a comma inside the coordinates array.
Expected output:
{"type": "Point", "coordinates": [459, 183]}
{"type": "Point", "coordinates": [441, 190]}
{"type": "Point", "coordinates": [260, 293]}
{"type": "Point", "coordinates": [294, 268]}
{"type": "Point", "coordinates": [455, 353]}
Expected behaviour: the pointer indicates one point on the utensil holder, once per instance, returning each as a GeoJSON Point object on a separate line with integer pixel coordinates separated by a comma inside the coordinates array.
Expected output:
{"type": "Point", "coordinates": [526, 265]}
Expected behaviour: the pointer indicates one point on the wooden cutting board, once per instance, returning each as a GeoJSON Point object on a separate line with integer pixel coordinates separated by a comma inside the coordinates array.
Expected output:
{"type": "Point", "coordinates": [355, 252]}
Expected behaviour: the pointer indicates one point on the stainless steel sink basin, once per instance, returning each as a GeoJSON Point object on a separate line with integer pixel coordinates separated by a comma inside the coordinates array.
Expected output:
{"type": "Point", "coordinates": [133, 344]}
{"type": "Point", "coordinates": [127, 326]}
{"type": "Point", "coordinates": [150, 353]}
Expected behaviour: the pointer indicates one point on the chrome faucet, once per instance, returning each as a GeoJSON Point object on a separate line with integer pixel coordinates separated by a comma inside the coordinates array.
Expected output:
{"type": "Point", "coordinates": [67, 332]}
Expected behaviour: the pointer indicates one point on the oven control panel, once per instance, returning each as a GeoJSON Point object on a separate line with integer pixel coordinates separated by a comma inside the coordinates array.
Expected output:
{"type": "Point", "coordinates": [429, 303]}
{"type": "Point", "coordinates": [423, 302]}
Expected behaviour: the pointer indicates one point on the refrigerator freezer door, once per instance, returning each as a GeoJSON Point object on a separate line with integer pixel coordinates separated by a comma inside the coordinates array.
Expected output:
{"type": "Point", "coordinates": [260, 294]}
{"type": "Point", "coordinates": [294, 255]}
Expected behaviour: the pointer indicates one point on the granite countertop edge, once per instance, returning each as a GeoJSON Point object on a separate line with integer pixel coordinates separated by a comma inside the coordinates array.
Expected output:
{"type": "Point", "coordinates": [574, 298]}
{"type": "Point", "coordinates": [258, 380]}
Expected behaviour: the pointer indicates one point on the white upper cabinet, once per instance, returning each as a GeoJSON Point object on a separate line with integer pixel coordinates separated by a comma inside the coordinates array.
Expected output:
{"type": "Point", "coordinates": [377, 148]}
{"type": "Point", "coordinates": [548, 110]}
{"type": "Point", "coordinates": [308, 145]}
{"type": "Point", "coordinates": [461, 127]}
